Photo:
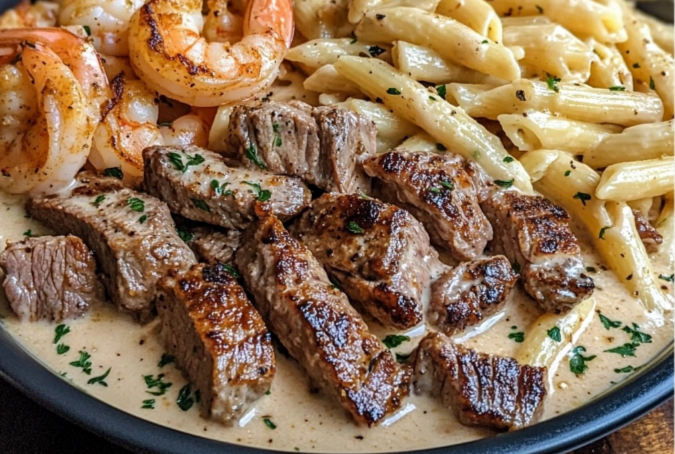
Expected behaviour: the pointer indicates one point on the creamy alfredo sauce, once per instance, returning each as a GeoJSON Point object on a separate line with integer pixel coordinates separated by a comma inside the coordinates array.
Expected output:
{"type": "Point", "coordinates": [312, 422]}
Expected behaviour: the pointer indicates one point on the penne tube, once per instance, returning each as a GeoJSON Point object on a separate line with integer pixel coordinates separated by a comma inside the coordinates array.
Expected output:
{"type": "Point", "coordinates": [318, 53]}
{"type": "Point", "coordinates": [551, 49]}
{"type": "Point", "coordinates": [516, 21]}
{"type": "Point", "coordinates": [663, 33]}
{"type": "Point", "coordinates": [652, 67]}
{"type": "Point", "coordinates": [574, 101]}
{"type": "Point", "coordinates": [637, 180]}
{"type": "Point", "coordinates": [582, 17]}
{"type": "Point", "coordinates": [321, 19]}
{"type": "Point", "coordinates": [643, 206]}
{"type": "Point", "coordinates": [535, 130]}
{"type": "Point", "coordinates": [608, 68]}
{"type": "Point", "coordinates": [468, 48]}
{"type": "Point", "coordinates": [539, 349]}
{"type": "Point", "coordinates": [648, 141]}
{"type": "Point", "coordinates": [665, 225]}
{"type": "Point", "coordinates": [478, 15]}
{"type": "Point", "coordinates": [359, 8]}
{"type": "Point", "coordinates": [220, 128]}
{"type": "Point", "coordinates": [572, 185]}
{"type": "Point", "coordinates": [449, 125]}
{"type": "Point", "coordinates": [425, 64]}
{"type": "Point", "coordinates": [327, 80]}
{"type": "Point", "coordinates": [420, 142]}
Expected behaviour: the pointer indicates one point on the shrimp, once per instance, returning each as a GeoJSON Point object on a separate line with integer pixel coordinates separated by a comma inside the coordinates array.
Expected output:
{"type": "Point", "coordinates": [46, 109]}
{"type": "Point", "coordinates": [40, 14]}
{"type": "Point", "coordinates": [107, 21]}
{"type": "Point", "coordinates": [190, 129]}
{"type": "Point", "coordinates": [221, 25]}
{"type": "Point", "coordinates": [170, 56]}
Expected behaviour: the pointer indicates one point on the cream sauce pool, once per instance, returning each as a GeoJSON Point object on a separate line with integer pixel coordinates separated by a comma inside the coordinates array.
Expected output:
{"type": "Point", "coordinates": [311, 422]}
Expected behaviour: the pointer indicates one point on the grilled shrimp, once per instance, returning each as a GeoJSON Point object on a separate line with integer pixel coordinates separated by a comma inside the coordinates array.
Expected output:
{"type": "Point", "coordinates": [48, 108]}
{"type": "Point", "coordinates": [25, 14]}
{"type": "Point", "coordinates": [108, 22]}
{"type": "Point", "coordinates": [221, 24]}
{"type": "Point", "coordinates": [170, 56]}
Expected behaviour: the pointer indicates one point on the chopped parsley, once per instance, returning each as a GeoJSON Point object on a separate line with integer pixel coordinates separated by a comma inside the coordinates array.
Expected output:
{"type": "Point", "coordinates": [184, 400]}
{"type": "Point", "coordinates": [652, 85]}
{"type": "Point", "coordinates": [394, 340]}
{"type": "Point", "coordinates": [268, 422]}
{"type": "Point", "coordinates": [28, 233]}
{"type": "Point", "coordinates": [617, 88]}
{"type": "Point", "coordinates": [185, 236]}
{"type": "Point", "coordinates": [177, 160]}
{"type": "Point", "coordinates": [277, 137]}
{"type": "Point", "coordinates": [59, 332]}
{"type": "Point", "coordinates": [508, 160]}
{"type": "Point", "coordinates": [485, 41]}
{"type": "Point", "coordinates": [83, 362]}
{"type": "Point", "coordinates": [354, 38]}
{"type": "Point", "coordinates": [568, 173]}
{"type": "Point", "coordinates": [98, 201]}
{"type": "Point", "coordinates": [624, 350]}
{"type": "Point", "coordinates": [142, 219]}
{"type": "Point", "coordinates": [504, 184]}
{"type": "Point", "coordinates": [627, 370]}
{"type": "Point", "coordinates": [100, 379]}
{"type": "Point", "coordinates": [62, 349]}
{"type": "Point", "coordinates": [353, 227]}
{"type": "Point", "coordinates": [442, 91]}
{"type": "Point", "coordinates": [552, 82]}
{"type": "Point", "coordinates": [431, 98]}
{"type": "Point", "coordinates": [263, 195]}
{"type": "Point", "coordinates": [402, 358]}
{"type": "Point", "coordinates": [198, 203]}
{"type": "Point", "coordinates": [435, 190]}
{"type": "Point", "coordinates": [447, 184]}
{"type": "Point", "coordinates": [603, 231]}
{"type": "Point", "coordinates": [158, 383]}
{"type": "Point", "coordinates": [220, 189]}
{"type": "Point", "coordinates": [578, 361]}
{"type": "Point", "coordinates": [115, 172]}
{"type": "Point", "coordinates": [636, 335]}
{"type": "Point", "coordinates": [516, 268]}
{"type": "Point", "coordinates": [149, 404]}
{"type": "Point", "coordinates": [166, 359]}
{"type": "Point", "coordinates": [554, 333]}
{"type": "Point", "coordinates": [87, 29]}
{"type": "Point", "coordinates": [393, 91]}
{"type": "Point", "coordinates": [583, 197]}
{"type": "Point", "coordinates": [607, 323]}
{"type": "Point", "coordinates": [518, 337]}
{"type": "Point", "coordinates": [376, 51]}
{"type": "Point", "coordinates": [667, 278]}
{"type": "Point", "coordinates": [591, 269]}
{"type": "Point", "coordinates": [229, 269]}
{"type": "Point", "coordinates": [136, 204]}
{"type": "Point", "coordinates": [268, 392]}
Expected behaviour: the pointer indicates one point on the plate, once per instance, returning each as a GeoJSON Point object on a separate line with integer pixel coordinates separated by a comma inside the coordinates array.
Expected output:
{"type": "Point", "coordinates": [610, 411]}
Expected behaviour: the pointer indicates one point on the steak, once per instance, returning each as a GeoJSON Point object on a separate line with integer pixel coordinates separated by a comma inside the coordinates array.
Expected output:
{"type": "Point", "coordinates": [534, 234]}
{"type": "Point", "coordinates": [378, 253]}
{"type": "Point", "coordinates": [650, 237]}
{"type": "Point", "coordinates": [485, 390]}
{"type": "Point", "coordinates": [218, 339]}
{"type": "Point", "coordinates": [131, 234]}
{"type": "Point", "coordinates": [50, 278]}
{"type": "Point", "coordinates": [198, 185]}
{"type": "Point", "coordinates": [322, 145]}
{"type": "Point", "coordinates": [472, 291]}
{"type": "Point", "coordinates": [318, 326]}
{"type": "Point", "coordinates": [213, 245]}
{"type": "Point", "coordinates": [439, 192]}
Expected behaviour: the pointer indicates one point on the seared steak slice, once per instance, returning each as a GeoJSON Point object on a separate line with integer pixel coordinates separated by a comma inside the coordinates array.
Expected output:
{"type": "Point", "coordinates": [198, 185]}
{"type": "Point", "coordinates": [213, 245]}
{"type": "Point", "coordinates": [218, 338]}
{"type": "Point", "coordinates": [485, 390]}
{"type": "Point", "coordinates": [131, 234]}
{"type": "Point", "coordinates": [324, 145]}
{"type": "Point", "coordinates": [439, 192]}
{"type": "Point", "coordinates": [472, 291]}
{"type": "Point", "coordinates": [50, 278]}
{"type": "Point", "coordinates": [534, 234]}
{"type": "Point", "coordinates": [378, 253]}
{"type": "Point", "coordinates": [317, 325]}
{"type": "Point", "coordinates": [650, 237]}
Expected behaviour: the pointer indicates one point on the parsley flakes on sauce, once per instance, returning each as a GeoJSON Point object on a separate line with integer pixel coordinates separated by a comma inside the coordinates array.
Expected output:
{"type": "Point", "coordinates": [394, 340]}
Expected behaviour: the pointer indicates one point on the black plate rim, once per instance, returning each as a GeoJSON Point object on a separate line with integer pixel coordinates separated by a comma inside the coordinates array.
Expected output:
{"type": "Point", "coordinates": [631, 399]}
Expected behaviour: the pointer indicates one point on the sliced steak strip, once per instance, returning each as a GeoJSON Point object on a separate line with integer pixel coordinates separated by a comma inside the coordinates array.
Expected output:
{"type": "Point", "coordinates": [378, 253]}
{"type": "Point", "coordinates": [438, 191]}
{"type": "Point", "coordinates": [318, 326]}
{"type": "Point", "coordinates": [50, 278]}
{"type": "Point", "coordinates": [650, 237]}
{"type": "Point", "coordinates": [213, 245]}
{"type": "Point", "coordinates": [324, 145]}
{"type": "Point", "coordinates": [485, 390]}
{"type": "Point", "coordinates": [534, 234]}
{"type": "Point", "coordinates": [472, 291]}
{"type": "Point", "coordinates": [198, 185]}
{"type": "Point", "coordinates": [131, 233]}
{"type": "Point", "coordinates": [218, 338]}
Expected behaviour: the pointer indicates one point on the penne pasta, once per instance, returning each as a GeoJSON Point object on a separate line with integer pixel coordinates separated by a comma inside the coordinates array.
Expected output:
{"type": "Point", "coordinates": [478, 15]}
{"type": "Point", "coordinates": [449, 125]}
{"type": "Point", "coordinates": [604, 22]}
{"type": "Point", "coordinates": [535, 130]}
{"type": "Point", "coordinates": [359, 8]}
{"type": "Point", "coordinates": [468, 48]}
{"type": "Point", "coordinates": [327, 80]}
{"type": "Point", "coordinates": [318, 53]}
{"type": "Point", "coordinates": [572, 185]}
{"type": "Point", "coordinates": [517, 21]}
{"type": "Point", "coordinates": [643, 206]}
{"type": "Point", "coordinates": [425, 64]}
{"type": "Point", "coordinates": [637, 180]}
{"type": "Point", "coordinates": [648, 141]}
{"type": "Point", "coordinates": [220, 128]}
{"type": "Point", "coordinates": [420, 142]}
{"type": "Point", "coordinates": [608, 68]}
{"type": "Point", "coordinates": [551, 49]}
{"type": "Point", "coordinates": [574, 101]}
{"type": "Point", "coordinates": [665, 224]}
{"type": "Point", "coordinates": [663, 33]}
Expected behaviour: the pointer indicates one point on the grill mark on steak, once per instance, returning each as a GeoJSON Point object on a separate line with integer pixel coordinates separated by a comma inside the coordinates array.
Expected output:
{"type": "Point", "coordinates": [232, 204]}
{"type": "Point", "coordinates": [485, 390]}
{"type": "Point", "coordinates": [384, 267]}
{"type": "Point", "coordinates": [132, 255]}
{"type": "Point", "coordinates": [469, 293]}
{"type": "Point", "coordinates": [50, 278]}
{"type": "Point", "coordinates": [218, 338]}
{"type": "Point", "coordinates": [317, 325]}
{"type": "Point", "coordinates": [535, 233]}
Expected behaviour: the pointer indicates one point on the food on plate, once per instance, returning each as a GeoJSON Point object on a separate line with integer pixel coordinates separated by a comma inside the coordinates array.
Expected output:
{"type": "Point", "coordinates": [210, 244]}
{"type": "Point", "coordinates": [50, 278]}
{"type": "Point", "coordinates": [217, 338]}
